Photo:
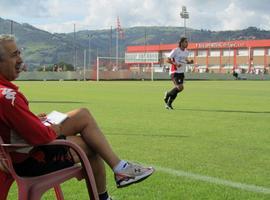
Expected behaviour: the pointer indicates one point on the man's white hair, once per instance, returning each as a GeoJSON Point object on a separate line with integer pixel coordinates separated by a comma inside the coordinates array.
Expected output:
{"type": "Point", "coordinates": [5, 38]}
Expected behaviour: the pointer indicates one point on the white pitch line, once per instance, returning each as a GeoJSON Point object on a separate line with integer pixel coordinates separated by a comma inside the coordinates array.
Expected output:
{"type": "Point", "coordinates": [217, 181]}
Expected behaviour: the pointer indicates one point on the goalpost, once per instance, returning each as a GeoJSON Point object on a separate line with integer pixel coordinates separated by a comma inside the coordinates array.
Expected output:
{"type": "Point", "coordinates": [111, 64]}
{"type": "Point", "coordinates": [113, 68]}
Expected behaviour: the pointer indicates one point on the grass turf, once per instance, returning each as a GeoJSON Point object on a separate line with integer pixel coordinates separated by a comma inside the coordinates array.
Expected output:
{"type": "Point", "coordinates": [218, 129]}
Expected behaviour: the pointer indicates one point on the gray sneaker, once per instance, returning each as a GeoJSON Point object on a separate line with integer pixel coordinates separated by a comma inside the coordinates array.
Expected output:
{"type": "Point", "coordinates": [132, 173]}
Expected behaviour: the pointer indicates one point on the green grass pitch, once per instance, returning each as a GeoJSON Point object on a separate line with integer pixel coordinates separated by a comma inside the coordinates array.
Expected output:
{"type": "Point", "coordinates": [214, 145]}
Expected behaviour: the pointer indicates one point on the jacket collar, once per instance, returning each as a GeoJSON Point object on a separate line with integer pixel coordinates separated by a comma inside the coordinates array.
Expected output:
{"type": "Point", "coordinates": [6, 83]}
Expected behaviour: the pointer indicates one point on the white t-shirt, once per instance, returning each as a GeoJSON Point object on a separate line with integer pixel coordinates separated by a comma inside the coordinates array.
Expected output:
{"type": "Point", "coordinates": [179, 56]}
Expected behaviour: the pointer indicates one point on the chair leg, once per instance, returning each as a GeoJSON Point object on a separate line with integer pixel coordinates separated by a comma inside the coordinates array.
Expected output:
{"type": "Point", "coordinates": [92, 192]}
{"type": "Point", "coordinates": [23, 192]}
{"type": "Point", "coordinates": [22, 195]}
{"type": "Point", "coordinates": [58, 192]}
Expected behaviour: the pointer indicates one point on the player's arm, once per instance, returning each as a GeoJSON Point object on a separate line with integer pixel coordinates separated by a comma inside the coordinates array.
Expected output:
{"type": "Point", "coordinates": [189, 61]}
{"type": "Point", "coordinates": [171, 61]}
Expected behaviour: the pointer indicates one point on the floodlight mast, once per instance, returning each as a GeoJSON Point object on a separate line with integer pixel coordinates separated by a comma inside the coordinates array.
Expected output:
{"type": "Point", "coordinates": [74, 46]}
{"type": "Point", "coordinates": [90, 37]}
{"type": "Point", "coordinates": [184, 15]}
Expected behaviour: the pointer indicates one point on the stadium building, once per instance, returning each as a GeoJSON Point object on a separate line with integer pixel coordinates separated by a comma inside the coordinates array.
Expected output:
{"type": "Point", "coordinates": [246, 56]}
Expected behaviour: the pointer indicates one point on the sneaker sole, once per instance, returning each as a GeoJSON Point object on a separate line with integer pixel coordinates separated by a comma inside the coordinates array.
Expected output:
{"type": "Point", "coordinates": [135, 180]}
{"type": "Point", "coordinates": [168, 107]}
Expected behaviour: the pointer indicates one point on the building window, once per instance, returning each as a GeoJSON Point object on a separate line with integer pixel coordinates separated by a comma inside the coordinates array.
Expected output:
{"type": "Point", "coordinates": [165, 54]}
{"type": "Point", "coordinates": [215, 53]}
{"type": "Point", "coordinates": [202, 53]}
{"type": "Point", "coordinates": [228, 52]}
{"type": "Point", "coordinates": [191, 54]}
{"type": "Point", "coordinates": [258, 52]}
{"type": "Point", "coordinates": [141, 57]}
{"type": "Point", "coordinates": [242, 52]}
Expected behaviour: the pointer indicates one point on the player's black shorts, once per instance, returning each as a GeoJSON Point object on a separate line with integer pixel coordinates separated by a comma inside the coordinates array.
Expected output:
{"type": "Point", "coordinates": [45, 159]}
{"type": "Point", "coordinates": [178, 78]}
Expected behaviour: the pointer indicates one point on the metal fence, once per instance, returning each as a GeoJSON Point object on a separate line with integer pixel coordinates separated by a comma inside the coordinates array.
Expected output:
{"type": "Point", "coordinates": [129, 75]}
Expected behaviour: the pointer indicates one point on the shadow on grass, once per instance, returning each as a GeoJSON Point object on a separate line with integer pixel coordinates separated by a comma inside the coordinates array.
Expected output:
{"type": "Point", "coordinates": [226, 111]}
{"type": "Point", "coordinates": [148, 135]}
{"type": "Point", "coordinates": [66, 102]}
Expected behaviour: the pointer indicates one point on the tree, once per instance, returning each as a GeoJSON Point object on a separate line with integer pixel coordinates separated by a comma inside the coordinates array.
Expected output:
{"type": "Point", "coordinates": [61, 66]}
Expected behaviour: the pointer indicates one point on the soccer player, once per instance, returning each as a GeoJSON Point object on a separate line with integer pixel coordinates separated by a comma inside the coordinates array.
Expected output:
{"type": "Point", "coordinates": [178, 58]}
{"type": "Point", "coordinates": [19, 125]}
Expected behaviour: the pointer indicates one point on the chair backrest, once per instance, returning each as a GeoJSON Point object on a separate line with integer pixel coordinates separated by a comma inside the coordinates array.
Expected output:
{"type": "Point", "coordinates": [6, 165]}
{"type": "Point", "coordinates": [5, 159]}
{"type": "Point", "coordinates": [6, 169]}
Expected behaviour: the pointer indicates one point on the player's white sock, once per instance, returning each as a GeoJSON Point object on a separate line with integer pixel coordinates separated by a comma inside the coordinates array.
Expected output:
{"type": "Point", "coordinates": [121, 165]}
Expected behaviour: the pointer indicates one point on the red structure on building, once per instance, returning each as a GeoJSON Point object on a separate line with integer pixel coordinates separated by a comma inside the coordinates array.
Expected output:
{"type": "Point", "coordinates": [218, 57]}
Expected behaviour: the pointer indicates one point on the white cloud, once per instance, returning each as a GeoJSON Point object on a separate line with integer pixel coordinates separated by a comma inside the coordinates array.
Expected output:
{"type": "Point", "coordinates": [266, 20]}
{"type": "Point", "coordinates": [232, 17]}
{"type": "Point", "coordinates": [235, 17]}
{"type": "Point", "coordinates": [60, 15]}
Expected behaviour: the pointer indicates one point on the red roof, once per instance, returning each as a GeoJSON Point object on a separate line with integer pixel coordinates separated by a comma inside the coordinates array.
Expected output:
{"type": "Point", "coordinates": [202, 45]}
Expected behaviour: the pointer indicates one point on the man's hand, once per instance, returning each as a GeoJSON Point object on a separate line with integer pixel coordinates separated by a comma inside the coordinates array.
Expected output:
{"type": "Point", "coordinates": [190, 62]}
{"type": "Point", "coordinates": [42, 116]}
{"type": "Point", "coordinates": [178, 65]}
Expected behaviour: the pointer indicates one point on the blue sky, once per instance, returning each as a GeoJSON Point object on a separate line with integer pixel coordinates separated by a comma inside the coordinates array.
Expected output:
{"type": "Point", "coordinates": [60, 15]}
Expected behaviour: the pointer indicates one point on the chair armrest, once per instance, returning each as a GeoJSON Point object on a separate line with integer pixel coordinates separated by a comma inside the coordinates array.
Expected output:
{"type": "Point", "coordinates": [90, 179]}
{"type": "Point", "coordinates": [81, 154]}
{"type": "Point", "coordinates": [86, 167]}
{"type": "Point", "coordinates": [75, 147]}
{"type": "Point", "coordinates": [13, 147]}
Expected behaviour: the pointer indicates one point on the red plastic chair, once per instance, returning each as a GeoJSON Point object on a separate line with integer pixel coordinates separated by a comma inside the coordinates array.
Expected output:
{"type": "Point", "coordinates": [32, 188]}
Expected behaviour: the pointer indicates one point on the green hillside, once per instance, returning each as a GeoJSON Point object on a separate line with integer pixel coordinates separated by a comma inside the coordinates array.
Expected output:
{"type": "Point", "coordinates": [41, 47]}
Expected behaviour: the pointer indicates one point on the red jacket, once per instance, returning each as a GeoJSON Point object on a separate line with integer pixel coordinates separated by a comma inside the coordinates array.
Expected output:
{"type": "Point", "coordinates": [18, 125]}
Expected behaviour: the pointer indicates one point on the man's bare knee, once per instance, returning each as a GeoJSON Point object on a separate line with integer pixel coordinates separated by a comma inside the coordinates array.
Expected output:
{"type": "Point", "coordinates": [84, 111]}
{"type": "Point", "coordinates": [83, 115]}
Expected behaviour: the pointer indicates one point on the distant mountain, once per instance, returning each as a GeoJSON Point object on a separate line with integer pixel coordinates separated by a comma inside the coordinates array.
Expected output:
{"type": "Point", "coordinates": [41, 47]}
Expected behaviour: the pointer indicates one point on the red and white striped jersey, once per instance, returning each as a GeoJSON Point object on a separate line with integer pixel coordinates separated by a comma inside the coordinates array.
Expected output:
{"type": "Point", "coordinates": [178, 56]}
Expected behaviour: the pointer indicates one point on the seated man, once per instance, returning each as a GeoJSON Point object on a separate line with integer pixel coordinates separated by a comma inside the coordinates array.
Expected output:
{"type": "Point", "coordinates": [19, 125]}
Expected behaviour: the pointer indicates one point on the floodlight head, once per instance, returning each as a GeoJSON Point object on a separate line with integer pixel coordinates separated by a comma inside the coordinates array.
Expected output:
{"type": "Point", "coordinates": [184, 13]}
{"type": "Point", "coordinates": [184, 9]}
